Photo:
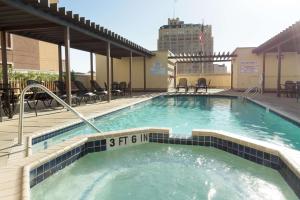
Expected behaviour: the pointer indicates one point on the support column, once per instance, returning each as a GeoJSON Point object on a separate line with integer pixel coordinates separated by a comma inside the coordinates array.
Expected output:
{"type": "Point", "coordinates": [112, 70]}
{"type": "Point", "coordinates": [231, 85]}
{"type": "Point", "coordinates": [108, 69]}
{"type": "Point", "coordinates": [130, 74]}
{"type": "Point", "coordinates": [175, 75]}
{"type": "Point", "coordinates": [145, 74]}
{"type": "Point", "coordinates": [92, 66]}
{"type": "Point", "coordinates": [263, 85]}
{"type": "Point", "coordinates": [67, 61]}
{"type": "Point", "coordinates": [6, 97]}
{"type": "Point", "coordinates": [279, 71]}
{"type": "Point", "coordinates": [60, 67]}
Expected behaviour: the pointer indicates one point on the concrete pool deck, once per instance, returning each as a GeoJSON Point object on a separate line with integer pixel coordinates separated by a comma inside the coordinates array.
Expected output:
{"type": "Point", "coordinates": [11, 165]}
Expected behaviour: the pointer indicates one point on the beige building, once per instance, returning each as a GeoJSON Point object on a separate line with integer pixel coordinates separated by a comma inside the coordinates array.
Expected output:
{"type": "Point", "coordinates": [179, 37]}
{"type": "Point", "coordinates": [159, 71]}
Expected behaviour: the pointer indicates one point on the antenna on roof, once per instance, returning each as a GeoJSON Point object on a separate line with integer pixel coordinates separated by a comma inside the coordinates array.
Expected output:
{"type": "Point", "coordinates": [174, 8]}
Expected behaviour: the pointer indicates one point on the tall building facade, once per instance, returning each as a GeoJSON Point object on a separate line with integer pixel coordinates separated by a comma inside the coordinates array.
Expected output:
{"type": "Point", "coordinates": [179, 37]}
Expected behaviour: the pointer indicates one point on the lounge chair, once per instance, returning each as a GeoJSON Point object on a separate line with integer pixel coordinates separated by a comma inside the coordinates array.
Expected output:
{"type": "Point", "coordinates": [84, 94]}
{"type": "Point", "coordinates": [182, 84]}
{"type": "Point", "coordinates": [289, 88]}
{"type": "Point", "coordinates": [61, 93]}
{"type": "Point", "coordinates": [201, 84]}
{"type": "Point", "coordinates": [36, 96]}
{"type": "Point", "coordinates": [97, 88]}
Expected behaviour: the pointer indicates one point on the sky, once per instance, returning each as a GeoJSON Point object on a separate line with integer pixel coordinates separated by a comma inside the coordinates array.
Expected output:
{"type": "Point", "coordinates": [235, 23]}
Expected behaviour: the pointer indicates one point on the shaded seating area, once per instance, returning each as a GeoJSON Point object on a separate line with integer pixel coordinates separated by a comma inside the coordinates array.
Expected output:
{"type": "Point", "coordinates": [45, 21]}
{"type": "Point", "coordinates": [182, 85]}
{"type": "Point", "coordinates": [284, 44]}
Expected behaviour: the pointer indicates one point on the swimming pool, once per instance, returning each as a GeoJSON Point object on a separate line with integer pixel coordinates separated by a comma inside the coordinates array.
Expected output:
{"type": "Point", "coordinates": [185, 113]}
{"type": "Point", "coordinates": [163, 171]}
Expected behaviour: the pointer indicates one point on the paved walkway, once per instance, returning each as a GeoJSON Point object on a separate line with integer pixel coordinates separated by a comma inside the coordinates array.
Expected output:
{"type": "Point", "coordinates": [288, 107]}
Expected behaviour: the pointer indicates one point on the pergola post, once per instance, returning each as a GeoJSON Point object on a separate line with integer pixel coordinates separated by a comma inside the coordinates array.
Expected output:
{"type": "Point", "coordinates": [92, 67]}
{"type": "Point", "coordinates": [279, 70]}
{"type": "Point", "coordinates": [231, 77]}
{"type": "Point", "coordinates": [60, 67]}
{"type": "Point", "coordinates": [175, 75]}
{"type": "Point", "coordinates": [112, 70]}
{"type": "Point", "coordinates": [145, 74]}
{"type": "Point", "coordinates": [263, 85]}
{"type": "Point", "coordinates": [67, 61]}
{"type": "Point", "coordinates": [108, 69]}
{"type": "Point", "coordinates": [5, 73]}
{"type": "Point", "coordinates": [130, 74]}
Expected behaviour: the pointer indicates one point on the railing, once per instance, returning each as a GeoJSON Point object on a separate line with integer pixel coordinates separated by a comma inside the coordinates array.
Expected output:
{"type": "Point", "coordinates": [21, 84]}
{"type": "Point", "coordinates": [59, 100]}
{"type": "Point", "coordinates": [251, 92]}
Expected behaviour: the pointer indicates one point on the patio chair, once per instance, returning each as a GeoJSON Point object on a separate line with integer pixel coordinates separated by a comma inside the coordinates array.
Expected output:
{"type": "Point", "coordinates": [84, 94]}
{"type": "Point", "coordinates": [36, 95]}
{"type": "Point", "coordinates": [182, 84]}
{"type": "Point", "coordinates": [114, 88]}
{"type": "Point", "coordinates": [97, 88]}
{"type": "Point", "coordinates": [298, 90]}
{"type": "Point", "coordinates": [62, 92]}
{"type": "Point", "coordinates": [289, 88]}
{"type": "Point", "coordinates": [123, 87]}
{"type": "Point", "coordinates": [201, 84]}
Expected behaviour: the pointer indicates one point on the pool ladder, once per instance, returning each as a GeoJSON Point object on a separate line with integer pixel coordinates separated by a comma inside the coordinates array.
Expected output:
{"type": "Point", "coordinates": [251, 92]}
{"type": "Point", "coordinates": [59, 100]}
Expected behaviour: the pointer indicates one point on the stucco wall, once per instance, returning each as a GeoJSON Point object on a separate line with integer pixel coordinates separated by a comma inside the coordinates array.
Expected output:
{"type": "Point", "coordinates": [154, 80]}
{"type": "Point", "coordinates": [48, 56]}
{"type": "Point", "coordinates": [290, 69]}
{"type": "Point", "coordinates": [216, 80]}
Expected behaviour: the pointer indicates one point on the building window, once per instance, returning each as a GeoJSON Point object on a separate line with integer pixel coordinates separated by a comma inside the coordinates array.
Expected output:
{"type": "Point", "coordinates": [8, 41]}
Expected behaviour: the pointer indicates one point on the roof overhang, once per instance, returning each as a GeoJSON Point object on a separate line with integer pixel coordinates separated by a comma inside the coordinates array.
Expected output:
{"type": "Point", "coordinates": [288, 40]}
{"type": "Point", "coordinates": [38, 19]}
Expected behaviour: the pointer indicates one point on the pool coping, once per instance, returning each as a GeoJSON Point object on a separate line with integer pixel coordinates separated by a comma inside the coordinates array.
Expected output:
{"type": "Point", "coordinates": [289, 159]}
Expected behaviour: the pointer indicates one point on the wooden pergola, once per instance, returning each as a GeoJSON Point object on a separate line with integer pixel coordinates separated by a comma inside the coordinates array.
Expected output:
{"type": "Point", "coordinates": [200, 57]}
{"type": "Point", "coordinates": [38, 19]}
{"type": "Point", "coordinates": [287, 40]}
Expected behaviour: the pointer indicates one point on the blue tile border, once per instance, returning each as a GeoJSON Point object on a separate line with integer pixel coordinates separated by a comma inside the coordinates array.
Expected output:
{"type": "Point", "coordinates": [246, 152]}
{"type": "Point", "coordinates": [42, 172]}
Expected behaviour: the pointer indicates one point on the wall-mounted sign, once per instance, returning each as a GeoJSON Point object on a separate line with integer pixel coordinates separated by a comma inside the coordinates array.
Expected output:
{"type": "Point", "coordinates": [127, 140]}
{"type": "Point", "coordinates": [249, 67]}
{"type": "Point", "coordinates": [158, 69]}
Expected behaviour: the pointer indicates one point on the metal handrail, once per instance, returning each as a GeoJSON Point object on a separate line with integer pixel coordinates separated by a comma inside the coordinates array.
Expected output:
{"type": "Point", "coordinates": [59, 100]}
{"type": "Point", "coordinates": [255, 89]}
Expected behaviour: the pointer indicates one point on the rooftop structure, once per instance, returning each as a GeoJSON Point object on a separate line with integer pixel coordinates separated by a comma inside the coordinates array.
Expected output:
{"type": "Point", "coordinates": [179, 37]}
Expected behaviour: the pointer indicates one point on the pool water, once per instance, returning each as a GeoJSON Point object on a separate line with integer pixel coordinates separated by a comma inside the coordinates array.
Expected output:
{"type": "Point", "coordinates": [156, 171]}
{"type": "Point", "coordinates": [185, 113]}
